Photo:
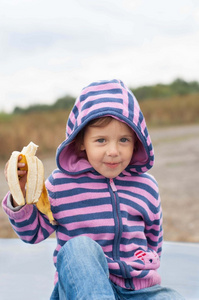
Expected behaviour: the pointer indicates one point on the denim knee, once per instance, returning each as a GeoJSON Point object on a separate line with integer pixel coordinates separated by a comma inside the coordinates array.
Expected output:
{"type": "Point", "coordinates": [80, 250]}
{"type": "Point", "coordinates": [81, 246]}
{"type": "Point", "coordinates": [79, 262]}
{"type": "Point", "coordinates": [82, 241]}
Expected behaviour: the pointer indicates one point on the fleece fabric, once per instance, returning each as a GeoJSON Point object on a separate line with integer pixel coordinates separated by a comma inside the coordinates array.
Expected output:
{"type": "Point", "coordinates": [123, 214]}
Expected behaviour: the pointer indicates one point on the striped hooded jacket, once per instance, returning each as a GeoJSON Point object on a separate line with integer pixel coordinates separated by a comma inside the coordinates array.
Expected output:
{"type": "Point", "coordinates": [122, 214]}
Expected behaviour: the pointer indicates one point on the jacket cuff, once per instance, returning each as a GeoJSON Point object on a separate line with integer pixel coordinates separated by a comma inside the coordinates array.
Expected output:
{"type": "Point", "coordinates": [21, 214]}
{"type": "Point", "coordinates": [10, 204]}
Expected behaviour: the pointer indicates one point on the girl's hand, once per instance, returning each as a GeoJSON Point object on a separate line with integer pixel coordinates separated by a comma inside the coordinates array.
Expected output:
{"type": "Point", "coordinates": [22, 175]}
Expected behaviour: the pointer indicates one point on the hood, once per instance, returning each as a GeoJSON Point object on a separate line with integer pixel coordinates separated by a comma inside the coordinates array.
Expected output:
{"type": "Point", "coordinates": [99, 99]}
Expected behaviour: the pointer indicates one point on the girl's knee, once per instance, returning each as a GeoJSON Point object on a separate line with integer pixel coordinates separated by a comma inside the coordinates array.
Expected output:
{"type": "Point", "coordinates": [82, 251]}
{"type": "Point", "coordinates": [81, 240]}
{"type": "Point", "coordinates": [81, 245]}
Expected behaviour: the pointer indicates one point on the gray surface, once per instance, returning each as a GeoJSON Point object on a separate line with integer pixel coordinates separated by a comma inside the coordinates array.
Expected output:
{"type": "Point", "coordinates": [27, 271]}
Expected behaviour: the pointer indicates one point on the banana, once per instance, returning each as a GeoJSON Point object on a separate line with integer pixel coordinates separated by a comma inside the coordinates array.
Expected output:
{"type": "Point", "coordinates": [36, 192]}
{"type": "Point", "coordinates": [44, 206]}
{"type": "Point", "coordinates": [13, 180]}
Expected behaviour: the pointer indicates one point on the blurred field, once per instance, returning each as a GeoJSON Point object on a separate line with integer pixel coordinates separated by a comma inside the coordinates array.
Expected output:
{"type": "Point", "coordinates": [176, 141]}
{"type": "Point", "coordinates": [47, 128]}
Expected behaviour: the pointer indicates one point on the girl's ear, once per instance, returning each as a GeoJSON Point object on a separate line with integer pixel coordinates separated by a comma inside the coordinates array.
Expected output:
{"type": "Point", "coordinates": [82, 147]}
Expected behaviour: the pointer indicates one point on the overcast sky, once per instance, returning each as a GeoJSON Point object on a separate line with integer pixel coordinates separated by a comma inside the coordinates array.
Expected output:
{"type": "Point", "coordinates": [52, 48]}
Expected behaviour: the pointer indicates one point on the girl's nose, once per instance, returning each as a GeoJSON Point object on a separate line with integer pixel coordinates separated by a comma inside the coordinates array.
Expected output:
{"type": "Point", "coordinates": [112, 150]}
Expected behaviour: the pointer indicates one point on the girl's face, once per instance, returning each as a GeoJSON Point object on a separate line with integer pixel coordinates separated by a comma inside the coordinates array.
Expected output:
{"type": "Point", "coordinates": [109, 149]}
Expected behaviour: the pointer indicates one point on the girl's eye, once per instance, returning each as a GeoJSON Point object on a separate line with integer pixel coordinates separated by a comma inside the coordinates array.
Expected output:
{"type": "Point", "coordinates": [123, 140]}
{"type": "Point", "coordinates": [100, 141]}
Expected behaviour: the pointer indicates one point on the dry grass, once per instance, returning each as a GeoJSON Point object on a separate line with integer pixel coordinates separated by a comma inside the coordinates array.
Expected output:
{"type": "Point", "coordinates": [47, 128]}
{"type": "Point", "coordinates": [178, 110]}
{"type": "Point", "coordinates": [44, 129]}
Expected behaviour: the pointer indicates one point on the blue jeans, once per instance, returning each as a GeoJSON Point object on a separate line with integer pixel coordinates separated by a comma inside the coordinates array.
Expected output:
{"type": "Point", "coordinates": [84, 275]}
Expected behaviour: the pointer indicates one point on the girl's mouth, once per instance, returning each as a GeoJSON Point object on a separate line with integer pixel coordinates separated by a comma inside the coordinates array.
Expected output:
{"type": "Point", "coordinates": [112, 165]}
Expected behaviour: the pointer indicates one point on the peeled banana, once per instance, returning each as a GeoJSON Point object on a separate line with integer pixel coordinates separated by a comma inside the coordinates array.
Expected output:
{"type": "Point", "coordinates": [36, 192]}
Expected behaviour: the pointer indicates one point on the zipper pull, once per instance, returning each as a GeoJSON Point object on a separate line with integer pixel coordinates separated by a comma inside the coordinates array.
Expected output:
{"type": "Point", "coordinates": [112, 184]}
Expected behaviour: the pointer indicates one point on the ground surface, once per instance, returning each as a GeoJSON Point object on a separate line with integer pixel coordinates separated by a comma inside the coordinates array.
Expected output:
{"type": "Point", "coordinates": [19, 269]}
{"type": "Point", "coordinates": [177, 171]}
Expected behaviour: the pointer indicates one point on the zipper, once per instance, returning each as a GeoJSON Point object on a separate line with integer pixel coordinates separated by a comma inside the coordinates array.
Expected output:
{"type": "Point", "coordinates": [118, 227]}
{"type": "Point", "coordinates": [117, 220]}
{"type": "Point", "coordinates": [112, 184]}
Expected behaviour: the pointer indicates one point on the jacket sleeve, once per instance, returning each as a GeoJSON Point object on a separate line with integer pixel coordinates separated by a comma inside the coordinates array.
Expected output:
{"type": "Point", "coordinates": [29, 224]}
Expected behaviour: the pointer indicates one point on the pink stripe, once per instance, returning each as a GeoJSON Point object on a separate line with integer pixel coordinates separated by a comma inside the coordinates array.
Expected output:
{"type": "Point", "coordinates": [135, 212]}
{"type": "Point", "coordinates": [99, 106]}
{"type": "Point", "coordinates": [138, 201]}
{"type": "Point", "coordinates": [129, 234]}
{"type": "Point", "coordinates": [73, 186]}
{"type": "Point", "coordinates": [127, 222]}
{"type": "Point", "coordinates": [31, 226]}
{"type": "Point", "coordinates": [143, 126]}
{"type": "Point", "coordinates": [96, 236]}
{"type": "Point", "coordinates": [103, 96]}
{"type": "Point", "coordinates": [148, 140]}
{"type": "Point", "coordinates": [144, 169]}
{"type": "Point", "coordinates": [58, 247]}
{"type": "Point", "coordinates": [56, 278]}
{"type": "Point", "coordinates": [155, 227]}
{"type": "Point", "coordinates": [45, 225]}
{"type": "Point", "coordinates": [75, 199]}
{"type": "Point", "coordinates": [108, 248]}
{"type": "Point", "coordinates": [90, 224]}
{"type": "Point", "coordinates": [68, 130]}
{"type": "Point", "coordinates": [130, 248]}
{"type": "Point", "coordinates": [147, 181]}
{"type": "Point", "coordinates": [73, 120]}
{"type": "Point", "coordinates": [136, 113]}
{"type": "Point", "coordinates": [21, 215]}
{"type": "Point", "coordinates": [83, 211]}
{"type": "Point", "coordinates": [113, 265]}
{"type": "Point", "coordinates": [136, 273]}
{"type": "Point", "coordinates": [91, 175]}
{"type": "Point", "coordinates": [151, 153]}
{"type": "Point", "coordinates": [117, 280]}
{"type": "Point", "coordinates": [55, 259]}
{"type": "Point", "coordinates": [40, 237]}
{"type": "Point", "coordinates": [101, 87]}
{"type": "Point", "coordinates": [72, 117]}
{"type": "Point", "coordinates": [141, 192]}
{"type": "Point", "coordinates": [152, 237]}
{"type": "Point", "coordinates": [126, 103]}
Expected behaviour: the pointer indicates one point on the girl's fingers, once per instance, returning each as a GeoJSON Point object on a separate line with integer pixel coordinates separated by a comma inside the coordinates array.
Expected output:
{"type": "Point", "coordinates": [21, 165]}
{"type": "Point", "coordinates": [21, 173]}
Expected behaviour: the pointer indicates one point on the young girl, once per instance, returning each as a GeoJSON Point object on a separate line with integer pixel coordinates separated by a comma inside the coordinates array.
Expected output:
{"type": "Point", "coordinates": [107, 207]}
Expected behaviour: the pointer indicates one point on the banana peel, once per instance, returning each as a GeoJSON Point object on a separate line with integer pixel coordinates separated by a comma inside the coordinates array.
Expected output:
{"type": "Point", "coordinates": [36, 192]}
{"type": "Point", "coordinates": [43, 205]}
